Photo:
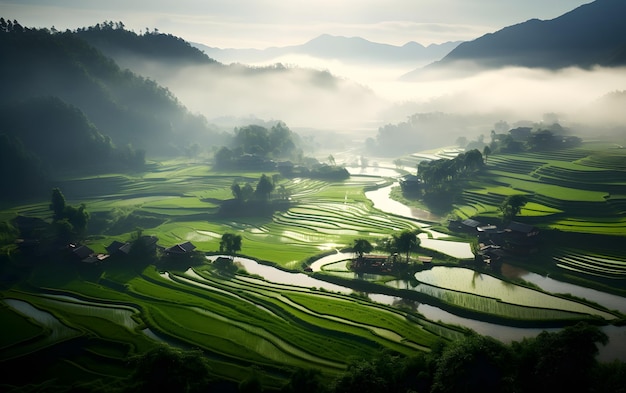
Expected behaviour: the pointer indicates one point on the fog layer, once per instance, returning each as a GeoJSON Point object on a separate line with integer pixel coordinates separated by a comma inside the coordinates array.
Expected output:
{"type": "Point", "coordinates": [306, 92]}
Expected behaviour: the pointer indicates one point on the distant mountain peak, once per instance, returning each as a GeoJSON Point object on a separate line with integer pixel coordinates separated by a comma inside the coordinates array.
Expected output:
{"type": "Point", "coordinates": [592, 34]}
{"type": "Point", "coordinates": [346, 49]}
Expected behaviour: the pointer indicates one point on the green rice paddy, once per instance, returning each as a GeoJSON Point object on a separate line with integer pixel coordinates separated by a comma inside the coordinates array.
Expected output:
{"type": "Point", "coordinates": [112, 313]}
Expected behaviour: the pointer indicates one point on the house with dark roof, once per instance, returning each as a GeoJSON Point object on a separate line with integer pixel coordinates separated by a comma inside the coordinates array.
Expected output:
{"type": "Point", "coordinates": [81, 252]}
{"type": "Point", "coordinates": [521, 229]}
{"type": "Point", "coordinates": [521, 238]}
{"type": "Point", "coordinates": [180, 249]}
{"type": "Point", "coordinates": [117, 247]}
{"type": "Point", "coordinates": [467, 225]}
{"type": "Point", "coordinates": [85, 254]}
{"type": "Point", "coordinates": [410, 182]}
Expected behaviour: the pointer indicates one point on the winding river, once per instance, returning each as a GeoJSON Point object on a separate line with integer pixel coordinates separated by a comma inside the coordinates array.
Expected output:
{"type": "Point", "coordinates": [616, 349]}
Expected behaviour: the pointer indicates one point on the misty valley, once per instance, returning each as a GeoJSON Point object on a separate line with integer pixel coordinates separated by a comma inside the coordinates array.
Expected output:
{"type": "Point", "coordinates": [173, 222]}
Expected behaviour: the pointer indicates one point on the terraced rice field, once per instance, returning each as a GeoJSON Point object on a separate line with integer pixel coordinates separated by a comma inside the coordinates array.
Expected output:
{"type": "Point", "coordinates": [235, 320]}
{"type": "Point", "coordinates": [96, 323]}
{"type": "Point", "coordinates": [579, 190]}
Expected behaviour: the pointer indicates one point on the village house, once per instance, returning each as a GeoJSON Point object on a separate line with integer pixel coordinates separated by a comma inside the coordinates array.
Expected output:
{"type": "Point", "coordinates": [371, 263]}
{"type": "Point", "coordinates": [180, 249]}
{"type": "Point", "coordinates": [410, 183]}
{"type": "Point", "coordinates": [467, 225]}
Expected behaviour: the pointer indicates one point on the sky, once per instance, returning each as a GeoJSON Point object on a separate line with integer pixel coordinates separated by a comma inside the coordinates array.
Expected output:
{"type": "Point", "coordinates": [266, 23]}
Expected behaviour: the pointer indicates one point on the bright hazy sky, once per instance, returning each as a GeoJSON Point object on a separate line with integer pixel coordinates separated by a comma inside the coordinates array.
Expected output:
{"type": "Point", "coordinates": [265, 23]}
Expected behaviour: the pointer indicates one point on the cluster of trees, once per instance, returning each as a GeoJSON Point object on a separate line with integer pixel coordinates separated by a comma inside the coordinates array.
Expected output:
{"type": "Point", "coordinates": [551, 362]}
{"type": "Point", "coordinates": [123, 106]}
{"type": "Point", "coordinates": [264, 198]}
{"type": "Point", "coordinates": [46, 132]}
{"type": "Point", "coordinates": [20, 169]}
{"type": "Point", "coordinates": [113, 39]}
{"type": "Point", "coordinates": [278, 142]}
{"type": "Point", "coordinates": [439, 172]}
{"type": "Point", "coordinates": [538, 137]}
{"type": "Point", "coordinates": [263, 190]}
{"type": "Point", "coordinates": [70, 222]}
{"type": "Point", "coordinates": [564, 361]}
{"type": "Point", "coordinates": [440, 177]}
{"type": "Point", "coordinates": [8, 26]}
{"type": "Point", "coordinates": [257, 147]}
{"type": "Point", "coordinates": [404, 242]}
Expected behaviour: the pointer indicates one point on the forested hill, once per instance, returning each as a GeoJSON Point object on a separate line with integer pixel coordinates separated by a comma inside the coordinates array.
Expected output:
{"type": "Point", "coordinates": [128, 108]}
{"type": "Point", "coordinates": [115, 41]}
{"type": "Point", "coordinates": [593, 34]}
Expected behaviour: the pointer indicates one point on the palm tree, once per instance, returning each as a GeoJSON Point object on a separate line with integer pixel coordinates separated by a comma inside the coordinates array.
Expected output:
{"type": "Point", "coordinates": [407, 242]}
{"type": "Point", "coordinates": [361, 247]}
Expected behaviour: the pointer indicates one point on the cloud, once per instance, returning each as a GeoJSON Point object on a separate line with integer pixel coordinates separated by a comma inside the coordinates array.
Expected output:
{"type": "Point", "coordinates": [264, 23]}
{"type": "Point", "coordinates": [526, 93]}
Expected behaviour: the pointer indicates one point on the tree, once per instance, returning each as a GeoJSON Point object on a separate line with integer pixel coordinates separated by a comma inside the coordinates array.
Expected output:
{"type": "Point", "coordinates": [235, 188]}
{"type": "Point", "coordinates": [331, 160]}
{"type": "Point", "coordinates": [78, 217]}
{"type": "Point", "coordinates": [223, 158]}
{"type": "Point", "coordinates": [170, 370]}
{"type": "Point", "coordinates": [406, 242]}
{"type": "Point", "coordinates": [142, 247]}
{"type": "Point", "coordinates": [264, 187]}
{"type": "Point", "coordinates": [362, 246]}
{"type": "Point", "coordinates": [305, 381]}
{"type": "Point", "coordinates": [230, 243]}
{"type": "Point", "coordinates": [486, 152]}
{"type": "Point", "coordinates": [63, 230]}
{"type": "Point", "coordinates": [57, 204]}
{"type": "Point", "coordinates": [559, 362]}
{"type": "Point", "coordinates": [473, 160]}
{"type": "Point", "coordinates": [474, 364]}
{"type": "Point", "coordinates": [247, 191]}
{"type": "Point", "coordinates": [512, 205]}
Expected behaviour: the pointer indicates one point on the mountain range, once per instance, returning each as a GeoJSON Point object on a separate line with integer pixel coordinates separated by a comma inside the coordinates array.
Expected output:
{"type": "Point", "coordinates": [593, 34]}
{"type": "Point", "coordinates": [345, 49]}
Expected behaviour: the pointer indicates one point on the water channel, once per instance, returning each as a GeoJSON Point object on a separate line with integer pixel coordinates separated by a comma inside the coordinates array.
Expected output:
{"type": "Point", "coordinates": [617, 335]}
{"type": "Point", "coordinates": [616, 349]}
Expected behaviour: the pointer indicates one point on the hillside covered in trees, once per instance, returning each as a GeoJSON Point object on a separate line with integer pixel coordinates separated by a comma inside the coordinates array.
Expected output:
{"type": "Point", "coordinates": [67, 105]}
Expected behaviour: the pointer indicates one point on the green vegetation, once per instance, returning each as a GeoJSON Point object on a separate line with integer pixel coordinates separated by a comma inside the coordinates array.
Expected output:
{"type": "Point", "coordinates": [276, 327]}
{"type": "Point", "coordinates": [141, 308]}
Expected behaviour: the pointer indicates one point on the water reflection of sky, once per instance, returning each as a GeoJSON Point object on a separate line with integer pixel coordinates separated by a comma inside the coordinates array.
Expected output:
{"type": "Point", "coordinates": [617, 335]}
{"type": "Point", "coordinates": [612, 302]}
{"type": "Point", "coordinates": [372, 171]}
